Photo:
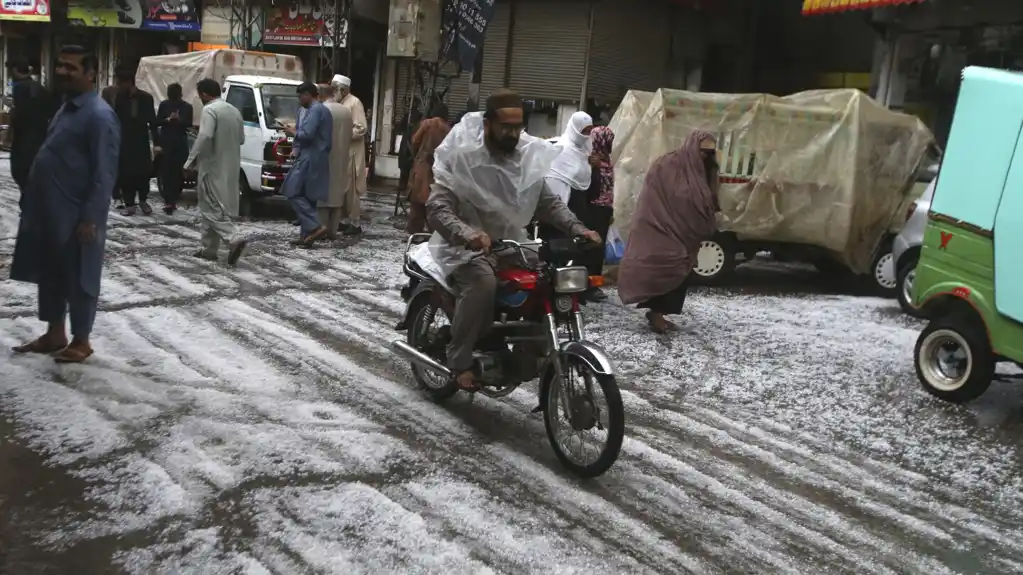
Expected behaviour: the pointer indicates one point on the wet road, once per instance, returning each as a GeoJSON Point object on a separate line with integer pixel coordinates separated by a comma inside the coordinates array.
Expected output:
{"type": "Point", "coordinates": [252, 421]}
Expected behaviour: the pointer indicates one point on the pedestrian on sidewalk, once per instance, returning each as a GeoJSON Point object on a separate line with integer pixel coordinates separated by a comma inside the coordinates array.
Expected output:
{"type": "Point", "coordinates": [33, 109]}
{"type": "Point", "coordinates": [352, 210]}
{"type": "Point", "coordinates": [62, 231]}
{"type": "Point", "coordinates": [598, 214]}
{"type": "Point", "coordinates": [329, 211]}
{"type": "Point", "coordinates": [430, 134]}
{"type": "Point", "coordinates": [137, 112]}
{"type": "Point", "coordinates": [677, 211]}
{"type": "Point", "coordinates": [174, 119]}
{"type": "Point", "coordinates": [308, 180]}
{"type": "Point", "coordinates": [217, 150]}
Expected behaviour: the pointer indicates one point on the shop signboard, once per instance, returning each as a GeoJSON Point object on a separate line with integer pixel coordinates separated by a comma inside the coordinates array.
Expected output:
{"type": "Point", "coordinates": [827, 6]}
{"type": "Point", "coordinates": [175, 15]}
{"type": "Point", "coordinates": [303, 24]}
{"type": "Point", "coordinates": [465, 24]}
{"type": "Point", "coordinates": [30, 10]}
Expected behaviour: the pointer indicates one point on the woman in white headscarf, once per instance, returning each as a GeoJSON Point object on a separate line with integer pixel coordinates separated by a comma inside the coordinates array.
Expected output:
{"type": "Point", "coordinates": [571, 173]}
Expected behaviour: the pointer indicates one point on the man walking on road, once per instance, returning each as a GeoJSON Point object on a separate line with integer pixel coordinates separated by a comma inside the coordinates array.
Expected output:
{"type": "Point", "coordinates": [137, 112]}
{"type": "Point", "coordinates": [218, 151]}
{"type": "Point", "coordinates": [33, 108]}
{"type": "Point", "coordinates": [308, 180]}
{"type": "Point", "coordinates": [330, 210]}
{"type": "Point", "coordinates": [63, 227]}
{"type": "Point", "coordinates": [352, 210]}
{"type": "Point", "coordinates": [174, 118]}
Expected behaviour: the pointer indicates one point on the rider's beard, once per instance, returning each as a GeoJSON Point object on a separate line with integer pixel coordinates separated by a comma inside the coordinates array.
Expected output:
{"type": "Point", "coordinates": [505, 144]}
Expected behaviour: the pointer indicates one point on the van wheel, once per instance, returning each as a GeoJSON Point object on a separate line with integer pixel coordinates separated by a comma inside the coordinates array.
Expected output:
{"type": "Point", "coordinates": [715, 260]}
{"type": "Point", "coordinates": [953, 358]}
{"type": "Point", "coordinates": [244, 197]}
{"type": "Point", "coordinates": [904, 281]}
{"type": "Point", "coordinates": [882, 270]}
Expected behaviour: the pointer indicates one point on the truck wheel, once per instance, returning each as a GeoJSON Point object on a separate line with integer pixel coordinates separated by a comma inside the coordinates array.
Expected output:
{"type": "Point", "coordinates": [904, 282]}
{"type": "Point", "coordinates": [715, 261]}
{"type": "Point", "coordinates": [882, 271]}
{"type": "Point", "coordinates": [953, 358]}
{"type": "Point", "coordinates": [244, 197]}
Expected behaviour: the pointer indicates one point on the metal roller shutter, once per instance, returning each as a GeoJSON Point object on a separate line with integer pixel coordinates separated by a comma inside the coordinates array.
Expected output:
{"type": "Point", "coordinates": [495, 51]}
{"type": "Point", "coordinates": [549, 42]}
{"type": "Point", "coordinates": [406, 81]}
{"type": "Point", "coordinates": [458, 94]}
{"type": "Point", "coordinates": [620, 58]}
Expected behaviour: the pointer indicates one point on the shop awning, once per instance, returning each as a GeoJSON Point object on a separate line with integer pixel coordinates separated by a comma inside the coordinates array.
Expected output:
{"type": "Point", "coordinates": [811, 7]}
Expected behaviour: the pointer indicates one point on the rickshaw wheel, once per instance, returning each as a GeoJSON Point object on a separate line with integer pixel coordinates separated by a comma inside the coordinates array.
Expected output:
{"type": "Point", "coordinates": [953, 358]}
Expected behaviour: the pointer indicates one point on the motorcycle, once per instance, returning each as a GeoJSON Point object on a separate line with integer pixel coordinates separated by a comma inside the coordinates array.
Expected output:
{"type": "Point", "coordinates": [538, 333]}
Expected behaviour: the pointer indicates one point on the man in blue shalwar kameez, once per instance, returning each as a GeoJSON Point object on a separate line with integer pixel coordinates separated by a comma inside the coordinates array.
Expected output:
{"type": "Point", "coordinates": [308, 180]}
{"type": "Point", "coordinates": [62, 231]}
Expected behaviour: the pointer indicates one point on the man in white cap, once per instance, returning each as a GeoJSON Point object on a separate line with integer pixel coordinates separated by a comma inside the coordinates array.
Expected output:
{"type": "Point", "coordinates": [351, 211]}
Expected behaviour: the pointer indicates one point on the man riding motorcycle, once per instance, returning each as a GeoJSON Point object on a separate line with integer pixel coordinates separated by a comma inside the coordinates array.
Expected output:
{"type": "Point", "coordinates": [489, 183]}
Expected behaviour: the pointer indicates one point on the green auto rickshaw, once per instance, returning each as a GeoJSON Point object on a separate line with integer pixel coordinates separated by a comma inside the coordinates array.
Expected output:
{"type": "Point", "coordinates": [970, 276]}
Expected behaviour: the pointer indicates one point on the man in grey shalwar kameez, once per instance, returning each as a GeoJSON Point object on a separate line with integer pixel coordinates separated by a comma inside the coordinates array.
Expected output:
{"type": "Point", "coordinates": [62, 231]}
{"type": "Point", "coordinates": [217, 149]}
{"type": "Point", "coordinates": [308, 180]}
{"type": "Point", "coordinates": [330, 210]}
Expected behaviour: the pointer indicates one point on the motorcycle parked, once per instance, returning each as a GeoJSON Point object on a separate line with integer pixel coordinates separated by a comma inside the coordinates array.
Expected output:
{"type": "Point", "coordinates": [538, 332]}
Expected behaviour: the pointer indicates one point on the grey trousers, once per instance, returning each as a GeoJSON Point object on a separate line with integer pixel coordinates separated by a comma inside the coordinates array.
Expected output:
{"type": "Point", "coordinates": [476, 287]}
{"type": "Point", "coordinates": [330, 217]}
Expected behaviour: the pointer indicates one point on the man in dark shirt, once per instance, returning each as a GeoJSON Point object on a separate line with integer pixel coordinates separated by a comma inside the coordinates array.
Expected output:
{"type": "Point", "coordinates": [137, 112]}
{"type": "Point", "coordinates": [174, 118]}
{"type": "Point", "coordinates": [33, 109]}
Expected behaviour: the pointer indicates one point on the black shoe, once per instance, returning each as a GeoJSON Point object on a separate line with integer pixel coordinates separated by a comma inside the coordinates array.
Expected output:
{"type": "Point", "coordinates": [596, 294]}
{"type": "Point", "coordinates": [237, 249]}
{"type": "Point", "coordinates": [169, 209]}
{"type": "Point", "coordinates": [351, 230]}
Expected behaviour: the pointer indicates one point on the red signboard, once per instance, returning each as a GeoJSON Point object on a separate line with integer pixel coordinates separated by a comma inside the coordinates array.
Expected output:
{"type": "Point", "coordinates": [297, 23]}
{"type": "Point", "coordinates": [828, 6]}
{"type": "Point", "coordinates": [33, 10]}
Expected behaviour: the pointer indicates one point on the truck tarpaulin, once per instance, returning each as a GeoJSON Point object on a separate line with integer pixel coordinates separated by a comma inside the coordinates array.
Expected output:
{"type": "Point", "coordinates": [826, 168]}
{"type": "Point", "coordinates": [155, 73]}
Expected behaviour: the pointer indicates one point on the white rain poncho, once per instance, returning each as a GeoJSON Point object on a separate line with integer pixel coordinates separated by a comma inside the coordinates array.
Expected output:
{"type": "Point", "coordinates": [571, 169]}
{"type": "Point", "coordinates": [496, 195]}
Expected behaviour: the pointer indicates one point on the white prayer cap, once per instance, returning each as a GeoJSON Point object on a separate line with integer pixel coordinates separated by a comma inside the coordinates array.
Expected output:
{"type": "Point", "coordinates": [343, 81]}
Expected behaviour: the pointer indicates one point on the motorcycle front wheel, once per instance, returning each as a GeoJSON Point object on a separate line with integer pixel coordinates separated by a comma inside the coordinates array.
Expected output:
{"type": "Point", "coordinates": [585, 432]}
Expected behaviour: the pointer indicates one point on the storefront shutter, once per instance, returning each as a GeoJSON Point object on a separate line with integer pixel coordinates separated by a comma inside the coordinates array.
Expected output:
{"type": "Point", "coordinates": [622, 58]}
{"type": "Point", "coordinates": [458, 93]}
{"type": "Point", "coordinates": [495, 51]}
{"type": "Point", "coordinates": [549, 42]}
{"type": "Point", "coordinates": [404, 88]}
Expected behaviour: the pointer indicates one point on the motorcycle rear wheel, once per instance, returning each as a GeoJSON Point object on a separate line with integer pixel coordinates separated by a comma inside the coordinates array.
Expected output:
{"type": "Point", "coordinates": [615, 418]}
{"type": "Point", "coordinates": [424, 316]}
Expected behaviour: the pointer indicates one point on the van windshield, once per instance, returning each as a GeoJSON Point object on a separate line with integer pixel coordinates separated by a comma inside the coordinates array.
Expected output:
{"type": "Point", "coordinates": [280, 104]}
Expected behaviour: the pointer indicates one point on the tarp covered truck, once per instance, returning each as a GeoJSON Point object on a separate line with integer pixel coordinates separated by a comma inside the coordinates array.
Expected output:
{"type": "Point", "coordinates": [262, 86]}
{"type": "Point", "coordinates": [820, 176]}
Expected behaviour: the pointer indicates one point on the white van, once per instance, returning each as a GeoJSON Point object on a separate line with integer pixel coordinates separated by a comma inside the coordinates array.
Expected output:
{"type": "Point", "coordinates": [267, 104]}
{"type": "Point", "coordinates": [264, 88]}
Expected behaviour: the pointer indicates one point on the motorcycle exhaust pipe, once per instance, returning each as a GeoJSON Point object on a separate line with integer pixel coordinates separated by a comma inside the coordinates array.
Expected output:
{"type": "Point", "coordinates": [419, 358]}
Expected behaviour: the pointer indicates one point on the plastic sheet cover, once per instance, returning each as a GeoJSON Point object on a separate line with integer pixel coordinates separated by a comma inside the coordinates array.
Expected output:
{"type": "Point", "coordinates": [826, 168]}
{"type": "Point", "coordinates": [155, 73]}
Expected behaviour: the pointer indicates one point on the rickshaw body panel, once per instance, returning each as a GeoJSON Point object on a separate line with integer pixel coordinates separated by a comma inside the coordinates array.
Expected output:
{"type": "Point", "coordinates": [974, 236]}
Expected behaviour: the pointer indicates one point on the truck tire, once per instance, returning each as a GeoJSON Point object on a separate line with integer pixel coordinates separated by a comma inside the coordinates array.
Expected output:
{"type": "Point", "coordinates": [883, 279]}
{"type": "Point", "coordinates": [715, 261]}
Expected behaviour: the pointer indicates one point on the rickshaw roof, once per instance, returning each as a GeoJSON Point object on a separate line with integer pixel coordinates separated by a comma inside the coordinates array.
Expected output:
{"type": "Point", "coordinates": [981, 144]}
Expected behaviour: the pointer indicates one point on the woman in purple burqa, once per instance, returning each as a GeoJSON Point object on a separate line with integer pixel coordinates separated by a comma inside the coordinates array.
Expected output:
{"type": "Point", "coordinates": [677, 210]}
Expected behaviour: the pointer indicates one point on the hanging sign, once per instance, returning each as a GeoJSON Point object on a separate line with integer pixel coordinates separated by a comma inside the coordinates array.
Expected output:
{"type": "Point", "coordinates": [465, 24]}
{"type": "Point", "coordinates": [173, 15]}
{"type": "Point", "coordinates": [31, 10]}
{"type": "Point", "coordinates": [303, 23]}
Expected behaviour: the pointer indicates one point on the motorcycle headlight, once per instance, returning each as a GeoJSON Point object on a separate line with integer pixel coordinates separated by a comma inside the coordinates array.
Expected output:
{"type": "Point", "coordinates": [571, 280]}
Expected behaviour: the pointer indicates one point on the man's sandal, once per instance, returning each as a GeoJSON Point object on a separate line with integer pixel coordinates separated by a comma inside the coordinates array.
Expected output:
{"type": "Point", "coordinates": [40, 345]}
{"type": "Point", "coordinates": [72, 355]}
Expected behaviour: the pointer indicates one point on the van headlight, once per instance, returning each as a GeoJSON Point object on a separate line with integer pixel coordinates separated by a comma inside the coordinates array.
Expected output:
{"type": "Point", "coordinates": [571, 280]}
